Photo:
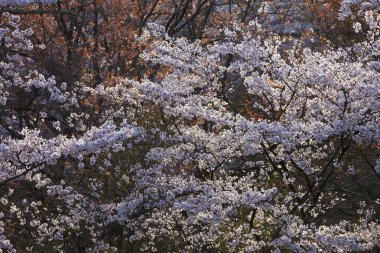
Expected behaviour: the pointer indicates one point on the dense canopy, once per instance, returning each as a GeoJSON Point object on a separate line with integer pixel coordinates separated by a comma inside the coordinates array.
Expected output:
{"type": "Point", "coordinates": [189, 126]}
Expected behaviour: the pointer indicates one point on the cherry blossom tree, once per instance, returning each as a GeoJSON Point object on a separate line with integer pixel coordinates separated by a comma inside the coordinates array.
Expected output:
{"type": "Point", "coordinates": [254, 143]}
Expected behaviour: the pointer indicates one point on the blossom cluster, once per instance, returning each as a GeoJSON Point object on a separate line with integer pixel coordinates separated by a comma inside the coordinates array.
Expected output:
{"type": "Point", "coordinates": [249, 144]}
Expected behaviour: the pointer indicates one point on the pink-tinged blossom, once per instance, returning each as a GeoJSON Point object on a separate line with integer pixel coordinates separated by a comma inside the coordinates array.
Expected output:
{"type": "Point", "coordinates": [202, 174]}
{"type": "Point", "coordinates": [25, 2]}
